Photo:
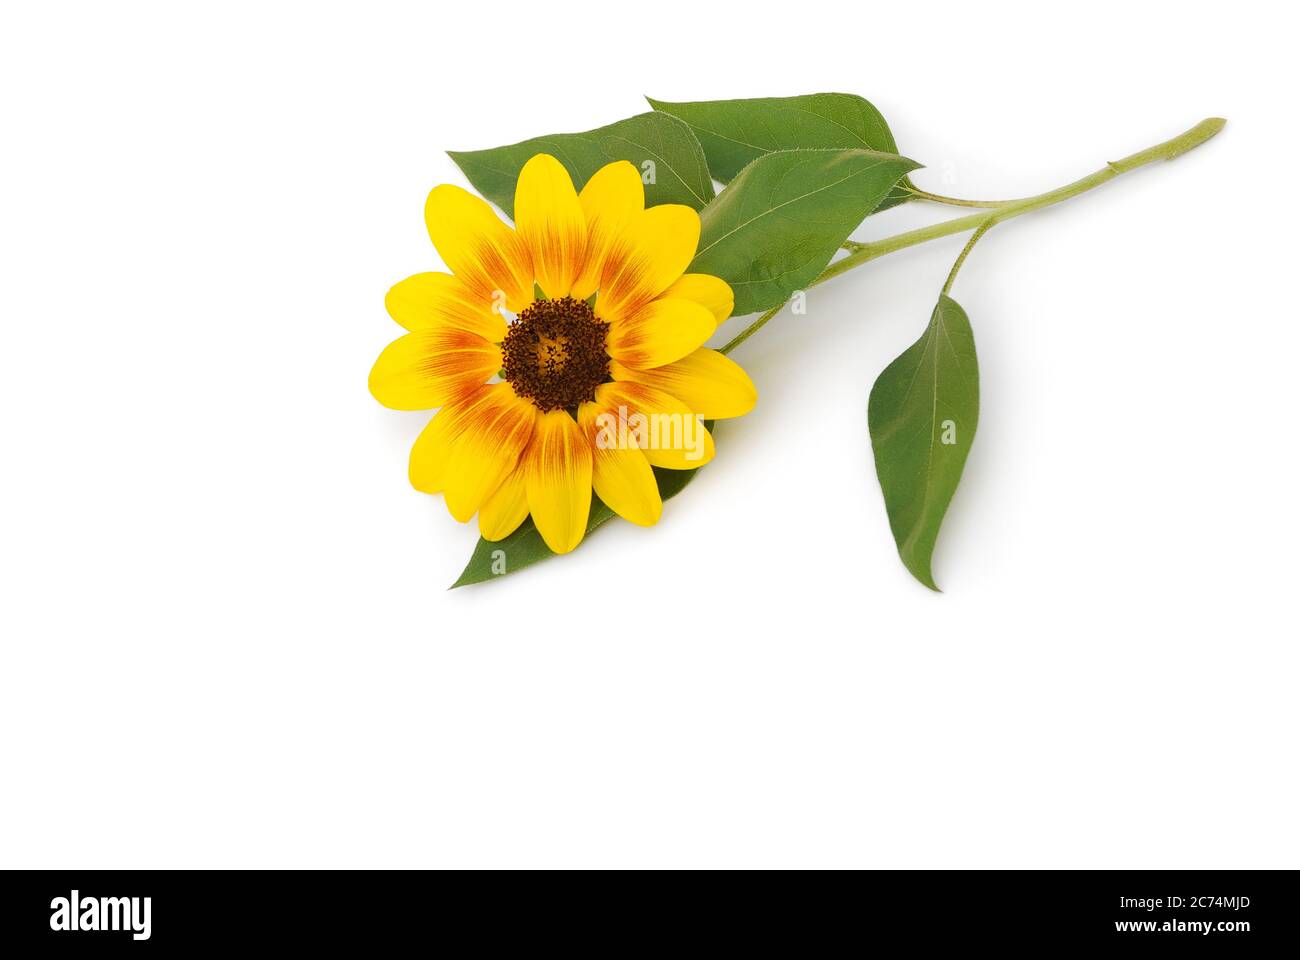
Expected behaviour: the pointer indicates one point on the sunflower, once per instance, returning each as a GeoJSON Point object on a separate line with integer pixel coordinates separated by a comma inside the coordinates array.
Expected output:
{"type": "Point", "coordinates": [543, 335]}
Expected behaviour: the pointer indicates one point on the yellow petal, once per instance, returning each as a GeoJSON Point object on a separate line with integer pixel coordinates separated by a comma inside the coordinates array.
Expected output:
{"type": "Point", "coordinates": [429, 300]}
{"type": "Point", "coordinates": [502, 512]}
{"type": "Point", "coordinates": [612, 199]}
{"type": "Point", "coordinates": [491, 444]}
{"type": "Point", "coordinates": [661, 242]}
{"type": "Point", "coordinates": [621, 475]}
{"type": "Point", "coordinates": [557, 474]}
{"type": "Point", "coordinates": [432, 449]}
{"type": "Point", "coordinates": [708, 383]}
{"type": "Point", "coordinates": [660, 332]}
{"type": "Point", "coordinates": [670, 434]}
{"type": "Point", "coordinates": [484, 253]}
{"type": "Point", "coordinates": [703, 288]}
{"type": "Point", "coordinates": [427, 368]}
{"type": "Point", "coordinates": [550, 222]}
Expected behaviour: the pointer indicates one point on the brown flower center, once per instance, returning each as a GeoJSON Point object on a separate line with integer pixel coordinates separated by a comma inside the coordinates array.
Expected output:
{"type": "Point", "coordinates": [555, 354]}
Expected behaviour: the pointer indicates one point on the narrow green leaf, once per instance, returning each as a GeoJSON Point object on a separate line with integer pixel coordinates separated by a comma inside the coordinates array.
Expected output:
{"type": "Point", "coordinates": [782, 219]}
{"type": "Point", "coordinates": [923, 412]}
{"type": "Point", "coordinates": [521, 549]}
{"type": "Point", "coordinates": [734, 133]}
{"type": "Point", "coordinates": [662, 147]}
{"type": "Point", "coordinates": [525, 546]}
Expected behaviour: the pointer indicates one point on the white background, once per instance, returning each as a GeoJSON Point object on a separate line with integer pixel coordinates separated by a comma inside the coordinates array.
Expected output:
{"type": "Point", "coordinates": [226, 635]}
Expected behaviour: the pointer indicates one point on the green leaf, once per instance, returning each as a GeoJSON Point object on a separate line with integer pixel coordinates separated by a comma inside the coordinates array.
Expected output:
{"type": "Point", "coordinates": [661, 147]}
{"type": "Point", "coordinates": [782, 219]}
{"type": "Point", "coordinates": [525, 546]}
{"type": "Point", "coordinates": [923, 412]}
{"type": "Point", "coordinates": [521, 549]}
{"type": "Point", "coordinates": [734, 133]}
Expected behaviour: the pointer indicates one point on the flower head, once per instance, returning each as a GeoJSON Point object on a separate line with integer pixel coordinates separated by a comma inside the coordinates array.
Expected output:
{"type": "Point", "coordinates": [566, 353]}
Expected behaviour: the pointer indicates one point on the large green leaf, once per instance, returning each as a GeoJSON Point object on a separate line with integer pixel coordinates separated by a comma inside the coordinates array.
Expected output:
{"type": "Point", "coordinates": [923, 412]}
{"type": "Point", "coordinates": [782, 219]}
{"type": "Point", "coordinates": [660, 146]}
{"type": "Point", "coordinates": [734, 133]}
{"type": "Point", "coordinates": [525, 546]}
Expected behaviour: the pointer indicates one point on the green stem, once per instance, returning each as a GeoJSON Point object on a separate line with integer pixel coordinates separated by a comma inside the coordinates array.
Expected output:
{"type": "Point", "coordinates": [961, 257]}
{"type": "Point", "coordinates": [752, 329]}
{"type": "Point", "coordinates": [860, 253]}
{"type": "Point", "coordinates": [954, 201]}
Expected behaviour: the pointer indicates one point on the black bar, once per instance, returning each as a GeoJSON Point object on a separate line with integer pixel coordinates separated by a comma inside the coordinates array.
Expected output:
{"type": "Point", "coordinates": [1223, 911]}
